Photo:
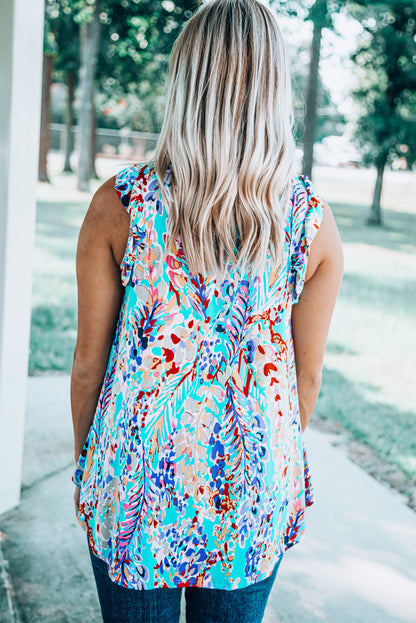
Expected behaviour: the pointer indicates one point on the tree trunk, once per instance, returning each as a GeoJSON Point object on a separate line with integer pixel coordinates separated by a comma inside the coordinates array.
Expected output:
{"type": "Point", "coordinates": [45, 116]}
{"type": "Point", "coordinates": [374, 218]}
{"type": "Point", "coordinates": [69, 121]}
{"type": "Point", "coordinates": [311, 99]}
{"type": "Point", "coordinates": [89, 52]}
{"type": "Point", "coordinates": [93, 151]}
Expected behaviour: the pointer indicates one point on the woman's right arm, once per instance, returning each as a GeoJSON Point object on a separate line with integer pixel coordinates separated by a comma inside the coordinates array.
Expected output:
{"type": "Point", "coordinates": [311, 315]}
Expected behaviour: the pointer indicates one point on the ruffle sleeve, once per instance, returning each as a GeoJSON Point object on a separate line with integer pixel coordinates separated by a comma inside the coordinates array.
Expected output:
{"type": "Point", "coordinates": [306, 218]}
{"type": "Point", "coordinates": [125, 187]}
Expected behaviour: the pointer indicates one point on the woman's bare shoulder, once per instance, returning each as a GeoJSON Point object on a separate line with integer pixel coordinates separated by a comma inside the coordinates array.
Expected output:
{"type": "Point", "coordinates": [107, 218]}
{"type": "Point", "coordinates": [326, 246]}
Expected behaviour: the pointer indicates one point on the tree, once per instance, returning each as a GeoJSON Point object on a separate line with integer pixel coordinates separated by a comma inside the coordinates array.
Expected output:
{"type": "Point", "coordinates": [320, 13]}
{"type": "Point", "coordinates": [386, 61]}
{"type": "Point", "coordinates": [134, 49]}
{"type": "Point", "coordinates": [60, 17]}
{"type": "Point", "coordinates": [133, 36]}
{"type": "Point", "coordinates": [131, 44]}
{"type": "Point", "coordinates": [69, 119]}
{"type": "Point", "coordinates": [49, 51]}
{"type": "Point", "coordinates": [90, 38]}
{"type": "Point", "coordinates": [320, 18]}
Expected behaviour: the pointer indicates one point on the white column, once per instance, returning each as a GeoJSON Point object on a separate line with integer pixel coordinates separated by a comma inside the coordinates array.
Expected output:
{"type": "Point", "coordinates": [21, 48]}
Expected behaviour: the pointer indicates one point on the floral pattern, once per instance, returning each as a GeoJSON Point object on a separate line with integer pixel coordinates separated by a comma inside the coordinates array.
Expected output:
{"type": "Point", "coordinates": [194, 471]}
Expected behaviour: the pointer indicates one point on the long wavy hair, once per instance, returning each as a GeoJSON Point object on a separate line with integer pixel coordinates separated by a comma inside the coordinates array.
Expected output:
{"type": "Point", "coordinates": [227, 139]}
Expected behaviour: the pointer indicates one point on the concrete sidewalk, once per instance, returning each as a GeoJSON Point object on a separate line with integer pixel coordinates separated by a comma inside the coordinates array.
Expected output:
{"type": "Point", "coordinates": [356, 562]}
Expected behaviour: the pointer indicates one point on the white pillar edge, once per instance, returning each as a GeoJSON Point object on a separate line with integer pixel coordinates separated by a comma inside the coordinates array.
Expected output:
{"type": "Point", "coordinates": [21, 53]}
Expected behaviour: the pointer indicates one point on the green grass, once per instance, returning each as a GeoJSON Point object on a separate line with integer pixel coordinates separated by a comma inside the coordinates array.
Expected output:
{"type": "Point", "coordinates": [369, 381]}
{"type": "Point", "coordinates": [53, 329]}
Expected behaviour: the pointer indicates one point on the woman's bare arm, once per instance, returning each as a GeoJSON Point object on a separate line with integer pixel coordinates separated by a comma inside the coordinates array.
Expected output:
{"type": "Point", "coordinates": [101, 244]}
{"type": "Point", "coordinates": [311, 316]}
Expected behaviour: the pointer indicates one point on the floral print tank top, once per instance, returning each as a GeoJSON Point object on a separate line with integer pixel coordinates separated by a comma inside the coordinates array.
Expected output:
{"type": "Point", "coordinates": [194, 471]}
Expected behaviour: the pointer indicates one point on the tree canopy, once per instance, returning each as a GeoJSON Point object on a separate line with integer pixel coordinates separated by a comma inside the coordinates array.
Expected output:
{"type": "Point", "coordinates": [386, 65]}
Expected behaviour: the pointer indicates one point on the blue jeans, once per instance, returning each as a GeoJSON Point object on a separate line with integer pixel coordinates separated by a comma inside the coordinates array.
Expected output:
{"type": "Point", "coordinates": [163, 605]}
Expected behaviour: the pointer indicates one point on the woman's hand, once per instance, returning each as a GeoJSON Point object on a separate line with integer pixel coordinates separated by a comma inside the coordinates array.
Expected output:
{"type": "Point", "coordinates": [76, 500]}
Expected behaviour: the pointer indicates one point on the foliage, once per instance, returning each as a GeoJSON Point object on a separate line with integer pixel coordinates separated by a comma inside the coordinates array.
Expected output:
{"type": "Point", "coordinates": [140, 110]}
{"type": "Point", "coordinates": [64, 30]}
{"type": "Point", "coordinates": [135, 43]}
{"type": "Point", "coordinates": [386, 65]}
{"type": "Point", "coordinates": [315, 10]}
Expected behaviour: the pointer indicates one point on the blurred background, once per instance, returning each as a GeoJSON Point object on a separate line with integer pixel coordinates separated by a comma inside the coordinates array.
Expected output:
{"type": "Point", "coordinates": [354, 80]}
{"type": "Point", "coordinates": [101, 83]}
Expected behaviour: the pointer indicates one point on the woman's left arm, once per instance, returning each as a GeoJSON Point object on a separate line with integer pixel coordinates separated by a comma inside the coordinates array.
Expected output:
{"type": "Point", "coordinates": [101, 244]}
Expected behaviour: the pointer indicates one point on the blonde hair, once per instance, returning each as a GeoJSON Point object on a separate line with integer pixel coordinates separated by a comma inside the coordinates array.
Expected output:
{"type": "Point", "coordinates": [227, 138]}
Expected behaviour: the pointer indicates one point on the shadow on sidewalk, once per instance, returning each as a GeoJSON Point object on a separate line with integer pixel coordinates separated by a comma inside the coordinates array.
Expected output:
{"type": "Point", "coordinates": [355, 562]}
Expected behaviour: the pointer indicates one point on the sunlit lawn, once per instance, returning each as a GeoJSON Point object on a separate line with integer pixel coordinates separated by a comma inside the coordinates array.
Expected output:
{"type": "Point", "coordinates": [370, 366]}
{"type": "Point", "coordinates": [369, 381]}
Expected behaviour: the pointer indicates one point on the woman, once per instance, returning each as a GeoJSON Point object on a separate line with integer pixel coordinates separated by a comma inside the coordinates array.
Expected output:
{"type": "Point", "coordinates": [197, 369]}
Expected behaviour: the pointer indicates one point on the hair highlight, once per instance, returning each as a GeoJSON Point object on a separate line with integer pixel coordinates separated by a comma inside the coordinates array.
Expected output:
{"type": "Point", "coordinates": [227, 138]}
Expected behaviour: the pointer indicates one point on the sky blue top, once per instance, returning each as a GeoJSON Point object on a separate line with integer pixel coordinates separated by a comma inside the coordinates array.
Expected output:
{"type": "Point", "coordinates": [194, 471]}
